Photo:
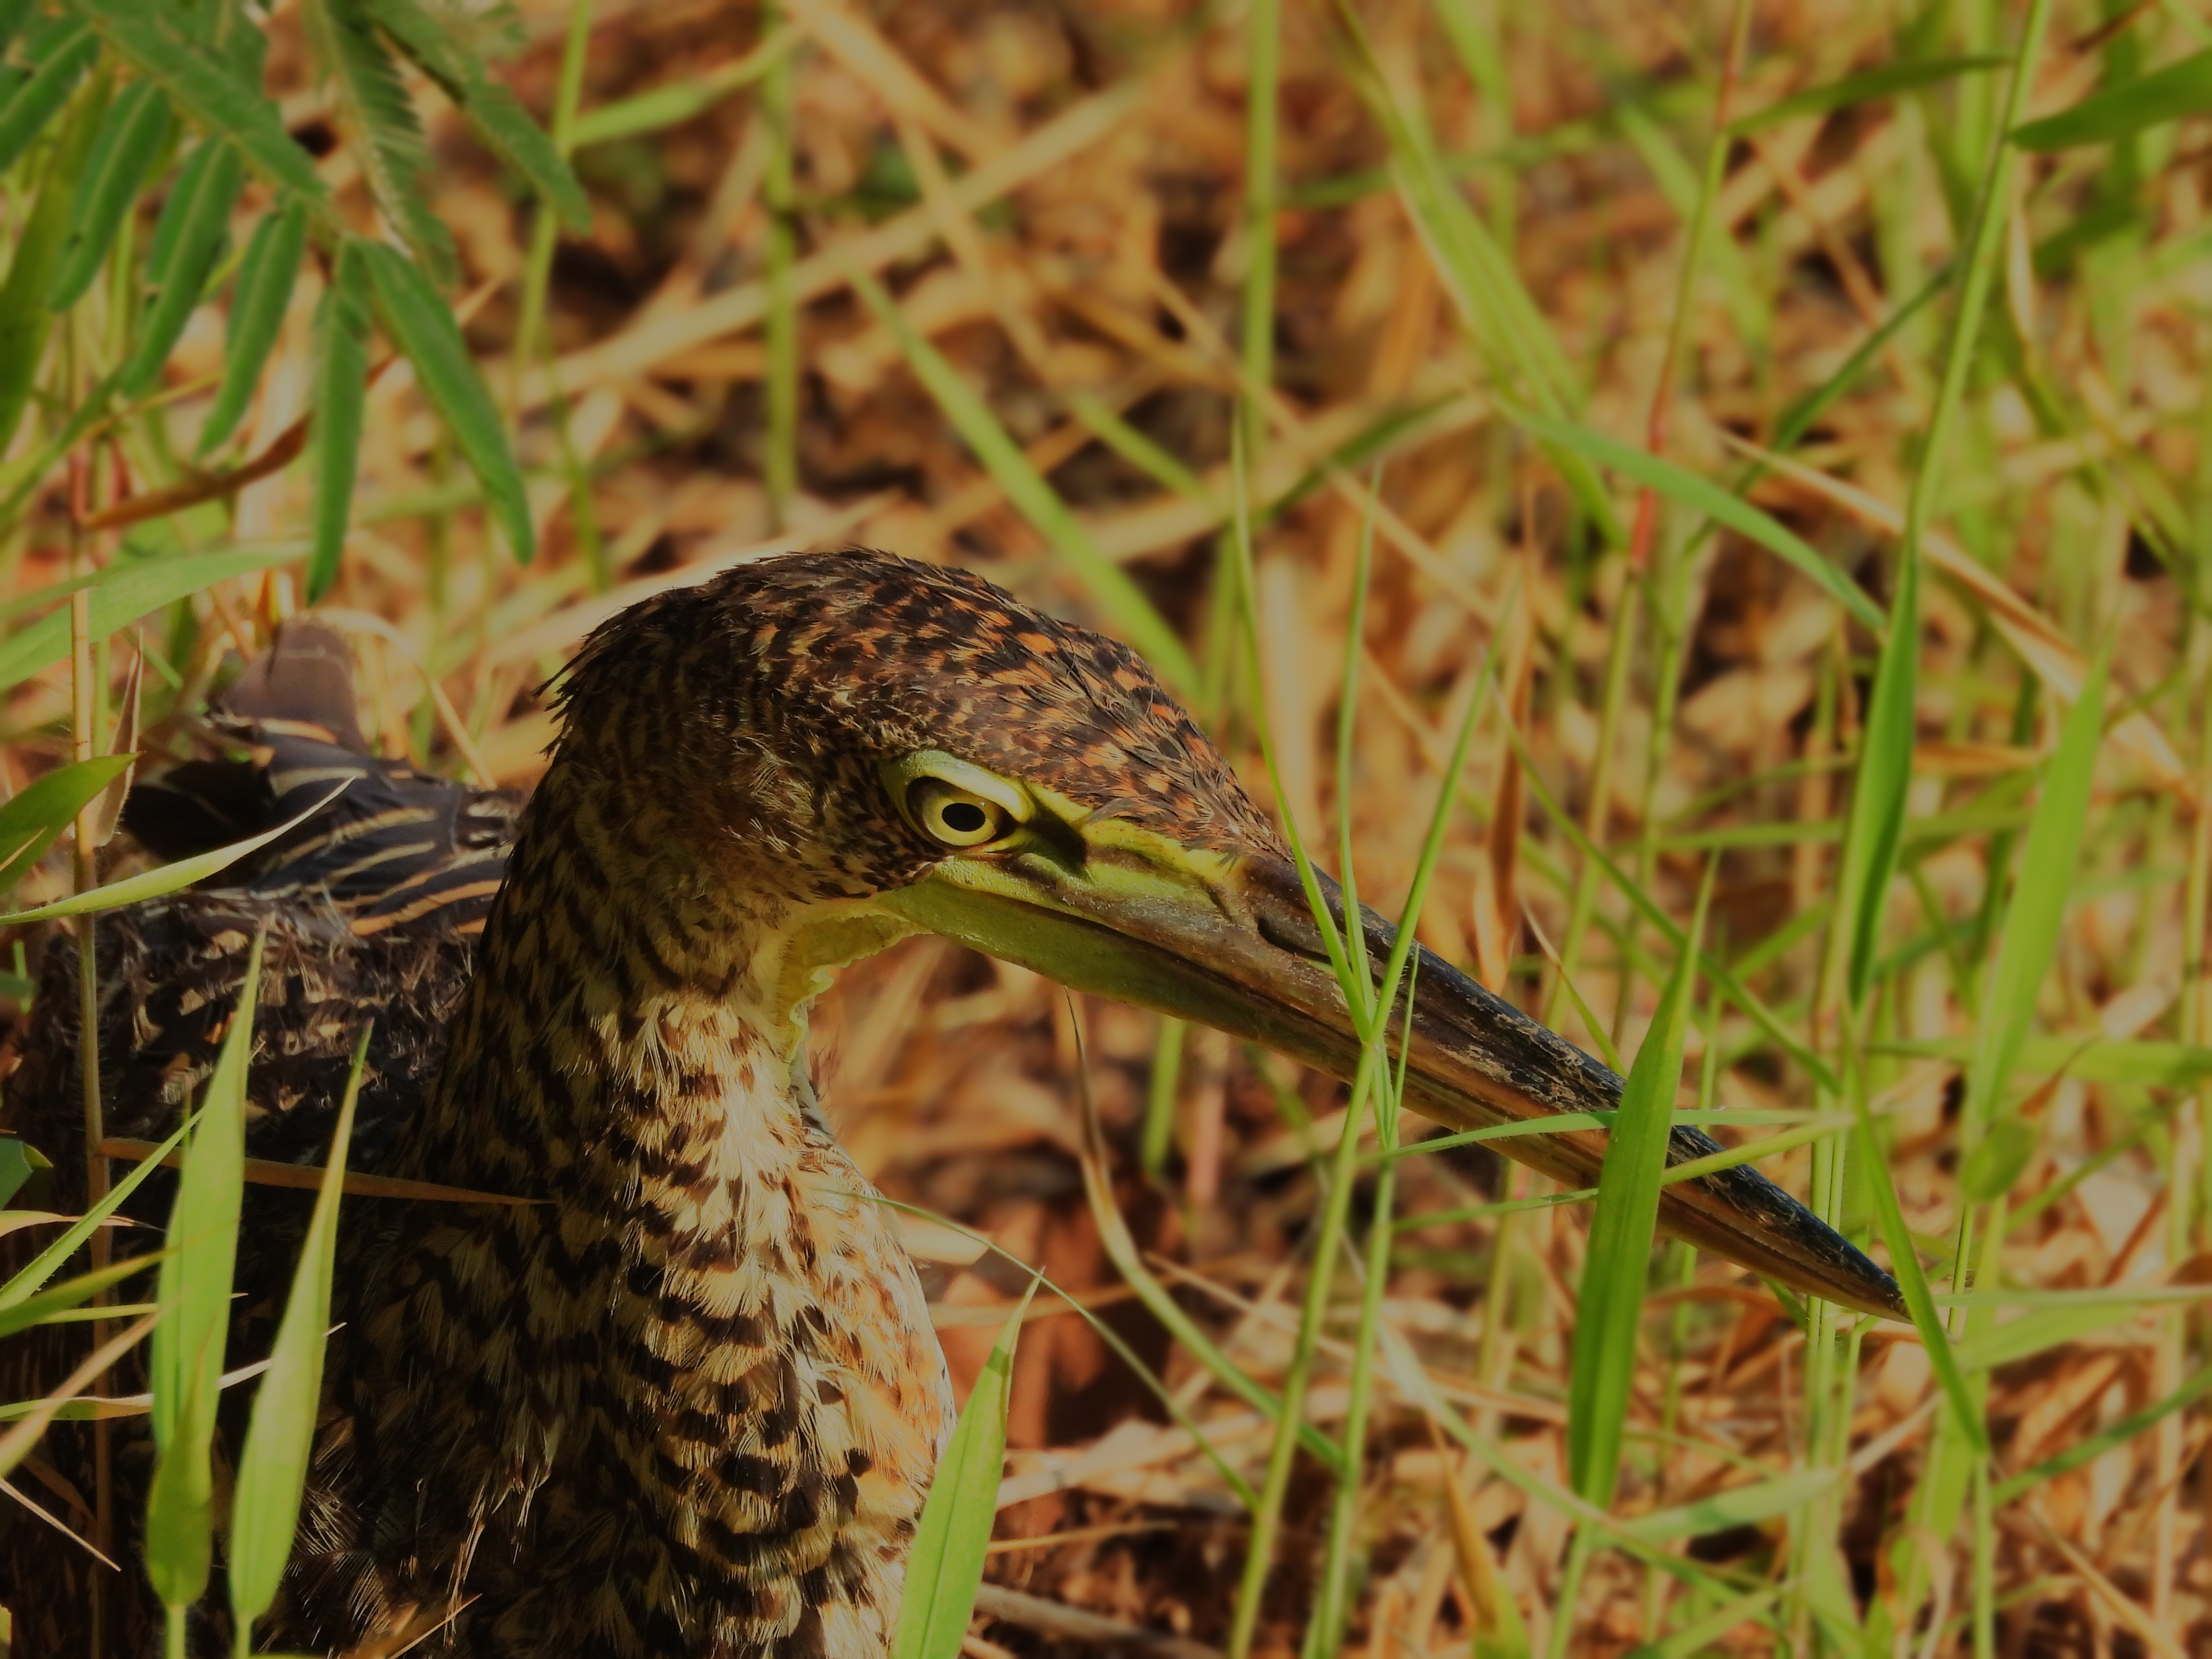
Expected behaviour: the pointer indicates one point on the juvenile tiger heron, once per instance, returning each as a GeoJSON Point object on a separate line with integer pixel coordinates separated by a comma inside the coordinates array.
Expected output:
{"type": "Point", "coordinates": [689, 1403]}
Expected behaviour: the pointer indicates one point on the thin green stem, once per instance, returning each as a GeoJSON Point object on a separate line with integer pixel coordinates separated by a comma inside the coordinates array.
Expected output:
{"type": "Point", "coordinates": [1160, 1096]}
{"type": "Point", "coordinates": [544, 230]}
{"type": "Point", "coordinates": [1571, 1590]}
{"type": "Point", "coordinates": [1923, 503]}
{"type": "Point", "coordinates": [1597, 808]}
{"type": "Point", "coordinates": [1648, 552]}
{"type": "Point", "coordinates": [1328, 1239]}
{"type": "Point", "coordinates": [779, 463]}
{"type": "Point", "coordinates": [1263, 65]}
{"type": "Point", "coordinates": [1330, 1615]}
{"type": "Point", "coordinates": [1347, 724]}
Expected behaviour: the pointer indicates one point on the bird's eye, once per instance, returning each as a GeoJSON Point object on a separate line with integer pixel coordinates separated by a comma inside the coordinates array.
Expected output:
{"type": "Point", "coordinates": [951, 815]}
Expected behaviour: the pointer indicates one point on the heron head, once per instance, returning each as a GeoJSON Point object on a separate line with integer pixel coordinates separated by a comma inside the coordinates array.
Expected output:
{"type": "Point", "coordinates": [911, 746]}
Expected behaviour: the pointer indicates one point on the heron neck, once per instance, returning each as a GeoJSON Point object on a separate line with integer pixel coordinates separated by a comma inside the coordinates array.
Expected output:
{"type": "Point", "coordinates": [705, 1321]}
{"type": "Point", "coordinates": [632, 999]}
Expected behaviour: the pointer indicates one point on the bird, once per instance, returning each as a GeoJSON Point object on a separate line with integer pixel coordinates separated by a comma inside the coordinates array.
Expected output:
{"type": "Point", "coordinates": [687, 1401]}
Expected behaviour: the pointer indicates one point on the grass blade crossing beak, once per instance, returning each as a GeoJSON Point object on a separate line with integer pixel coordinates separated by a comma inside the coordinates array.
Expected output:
{"type": "Point", "coordinates": [1229, 941]}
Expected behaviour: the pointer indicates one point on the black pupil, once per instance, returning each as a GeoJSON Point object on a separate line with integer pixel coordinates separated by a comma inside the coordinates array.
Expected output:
{"type": "Point", "coordinates": [963, 817]}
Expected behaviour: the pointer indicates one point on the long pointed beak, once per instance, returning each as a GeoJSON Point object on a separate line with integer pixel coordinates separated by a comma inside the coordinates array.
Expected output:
{"type": "Point", "coordinates": [1232, 943]}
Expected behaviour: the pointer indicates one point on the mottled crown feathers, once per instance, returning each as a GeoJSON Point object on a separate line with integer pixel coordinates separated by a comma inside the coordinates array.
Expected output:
{"type": "Point", "coordinates": [857, 655]}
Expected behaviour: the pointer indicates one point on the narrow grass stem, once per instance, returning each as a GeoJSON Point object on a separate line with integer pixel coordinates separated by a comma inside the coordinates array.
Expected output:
{"type": "Point", "coordinates": [1332, 1610]}
{"type": "Point", "coordinates": [85, 874]}
{"type": "Point", "coordinates": [1263, 27]}
{"type": "Point", "coordinates": [1866, 867]}
{"type": "Point", "coordinates": [544, 229]}
{"type": "Point", "coordinates": [1570, 1588]}
{"type": "Point", "coordinates": [1645, 543]}
{"type": "Point", "coordinates": [2196, 1011]}
{"type": "Point", "coordinates": [1347, 726]}
{"type": "Point", "coordinates": [1925, 497]}
{"type": "Point", "coordinates": [780, 463]}
{"type": "Point", "coordinates": [1596, 810]}
{"type": "Point", "coordinates": [1327, 1242]}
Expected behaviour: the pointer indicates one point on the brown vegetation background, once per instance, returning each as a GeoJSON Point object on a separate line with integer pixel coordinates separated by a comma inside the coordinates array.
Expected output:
{"type": "Point", "coordinates": [1055, 195]}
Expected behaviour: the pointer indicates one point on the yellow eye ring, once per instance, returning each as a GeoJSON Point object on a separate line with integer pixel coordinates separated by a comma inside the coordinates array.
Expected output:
{"type": "Point", "coordinates": [953, 816]}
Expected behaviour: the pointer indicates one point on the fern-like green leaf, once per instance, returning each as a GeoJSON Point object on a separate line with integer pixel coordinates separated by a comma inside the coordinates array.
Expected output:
{"type": "Point", "coordinates": [421, 324]}
{"type": "Point", "coordinates": [205, 87]}
{"type": "Point", "coordinates": [25, 317]}
{"type": "Point", "coordinates": [374, 111]}
{"type": "Point", "coordinates": [134, 132]}
{"type": "Point", "coordinates": [39, 99]}
{"type": "Point", "coordinates": [341, 385]}
{"type": "Point", "coordinates": [430, 41]}
{"type": "Point", "coordinates": [13, 14]}
{"type": "Point", "coordinates": [188, 240]}
{"type": "Point", "coordinates": [257, 302]}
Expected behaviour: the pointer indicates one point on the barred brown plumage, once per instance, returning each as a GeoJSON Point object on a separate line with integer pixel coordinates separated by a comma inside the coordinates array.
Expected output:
{"type": "Point", "coordinates": [690, 1403]}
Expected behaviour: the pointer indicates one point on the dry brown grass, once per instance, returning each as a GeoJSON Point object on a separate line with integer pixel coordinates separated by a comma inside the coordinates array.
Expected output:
{"type": "Point", "coordinates": [1107, 260]}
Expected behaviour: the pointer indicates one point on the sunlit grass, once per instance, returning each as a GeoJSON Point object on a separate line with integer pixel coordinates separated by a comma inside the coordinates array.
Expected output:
{"type": "Point", "coordinates": [1999, 349]}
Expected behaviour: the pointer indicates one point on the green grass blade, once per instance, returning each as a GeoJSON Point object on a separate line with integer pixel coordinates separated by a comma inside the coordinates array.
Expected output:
{"type": "Point", "coordinates": [1414, 1383]}
{"type": "Point", "coordinates": [135, 130]}
{"type": "Point", "coordinates": [2037, 1332]}
{"type": "Point", "coordinates": [1729, 983]}
{"type": "Point", "coordinates": [185, 1371]}
{"type": "Point", "coordinates": [1700, 495]}
{"type": "Point", "coordinates": [1912, 1279]}
{"type": "Point", "coordinates": [427, 40]}
{"type": "Point", "coordinates": [166, 878]}
{"type": "Point", "coordinates": [2114, 112]}
{"type": "Point", "coordinates": [18, 1162]}
{"type": "Point", "coordinates": [1245, 617]}
{"type": "Point", "coordinates": [1512, 332]}
{"type": "Point", "coordinates": [123, 593]}
{"type": "Point", "coordinates": [1432, 846]}
{"type": "Point", "coordinates": [1133, 446]}
{"type": "Point", "coordinates": [1177, 1412]}
{"type": "Point", "coordinates": [39, 99]}
{"type": "Point", "coordinates": [375, 114]}
{"type": "Point", "coordinates": [1117, 596]}
{"type": "Point", "coordinates": [35, 1273]}
{"type": "Point", "coordinates": [2089, 1451]}
{"type": "Point", "coordinates": [258, 300]}
{"type": "Point", "coordinates": [680, 102]}
{"type": "Point", "coordinates": [1737, 1506]}
{"type": "Point", "coordinates": [188, 240]}
{"type": "Point", "coordinates": [152, 40]}
{"type": "Point", "coordinates": [2093, 1059]}
{"type": "Point", "coordinates": [1120, 1247]}
{"type": "Point", "coordinates": [1751, 1151]}
{"type": "Point", "coordinates": [1611, 1312]}
{"type": "Point", "coordinates": [1160, 1096]}
{"type": "Point", "coordinates": [1702, 1636]}
{"type": "Point", "coordinates": [422, 325]}
{"type": "Point", "coordinates": [946, 1565]}
{"type": "Point", "coordinates": [25, 316]}
{"type": "Point", "coordinates": [28, 1419]}
{"type": "Point", "coordinates": [40, 597]}
{"type": "Point", "coordinates": [1874, 828]}
{"type": "Point", "coordinates": [2030, 941]}
{"type": "Point", "coordinates": [1797, 419]}
{"type": "Point", "coordinates": [273, 1470]}
{"type": "Point", "coordinates": [70, 1293]}
{"type": "Point", "coordinates": [1865, 88]}
{"type": "Point", "coordinates": [35, 819]}
{"type": "Point", "coordinates": [340, 377]}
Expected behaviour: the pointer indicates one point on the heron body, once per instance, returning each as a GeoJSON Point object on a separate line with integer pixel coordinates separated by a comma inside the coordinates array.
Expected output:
{"type": "Point", "coordinates": [688, 1402]}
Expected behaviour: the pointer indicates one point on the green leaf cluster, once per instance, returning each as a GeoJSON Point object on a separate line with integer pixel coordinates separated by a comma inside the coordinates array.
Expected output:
{"type": "Point", "coordinates": [123, 102]}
